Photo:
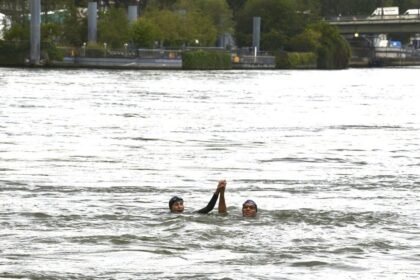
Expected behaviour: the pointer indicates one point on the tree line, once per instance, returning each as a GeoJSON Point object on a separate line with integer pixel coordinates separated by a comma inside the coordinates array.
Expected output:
{"type": "Point", "coordinates": [286, 25]}
{"type": "Point", "coordinates": [182, 22]}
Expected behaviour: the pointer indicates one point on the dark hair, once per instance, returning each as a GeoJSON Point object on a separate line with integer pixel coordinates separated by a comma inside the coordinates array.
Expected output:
{"type": "Point", "coordinates": [173, 200]}
{"type": "Point", "coordinates": [249, 201]}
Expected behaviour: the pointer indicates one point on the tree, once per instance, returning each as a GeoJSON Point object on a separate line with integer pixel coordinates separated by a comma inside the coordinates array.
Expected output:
{"type": "Point", "coordinates": [168, 24]}
{"type": "Point", "coordinates": [17, 32]}
{"type": "Point", "coordinates": [236, 5]}
{"type": "Point", "coordinates": [217, 10]}
{"type": "Point", "coordinates": [179, 28]}
{"type": "Point", "coordinates": [307, 41]}
{"type": "Point", "coordinates": [160, 4]}
{"type": "Point", "coordinates": [198, 29]}
{"type": "Point", "coordinates": [74, 27]}
{"type": "Point", "coordinates": [144, 33]}
{"type": "Point", "coordinates": [279, 21]}
{"type": "Point", "coordinates": [113, 27]}
{"type": "Point", "coordinates": [333, 50]}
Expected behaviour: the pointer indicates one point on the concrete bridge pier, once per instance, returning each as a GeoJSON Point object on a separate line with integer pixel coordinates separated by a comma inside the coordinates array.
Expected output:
{"type": "Point", "coordinates": [132, 13]}
{"type": "Point", "coordinates": [256, 30]}
{"type": "Point", "coordinates": [35, 55]}
{"type": "Point", "coordinates": [92, 22]}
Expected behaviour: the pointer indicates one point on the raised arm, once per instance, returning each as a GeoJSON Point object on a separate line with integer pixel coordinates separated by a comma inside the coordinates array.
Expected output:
{"type": "Point", "coordinates": [213, 200]}
{"type": "Point", "coordinates": [222, 202]}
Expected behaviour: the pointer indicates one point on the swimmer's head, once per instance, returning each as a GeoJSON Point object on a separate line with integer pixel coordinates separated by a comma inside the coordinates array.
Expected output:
{"type": "Point", "coordinates": [249, 208]}
{"type": "Point", "coordinates": [176, 204]}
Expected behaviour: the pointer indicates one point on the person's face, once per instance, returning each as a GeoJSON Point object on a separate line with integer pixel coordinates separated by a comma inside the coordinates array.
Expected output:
{"type": "Point", "coordinates": [249, 210]}
{"type": "Point", "coordinates": [178, 207]}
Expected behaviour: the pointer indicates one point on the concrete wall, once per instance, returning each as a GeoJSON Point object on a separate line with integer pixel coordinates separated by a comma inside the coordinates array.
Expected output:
{"type": "Point", "coordinates": [92, 22]}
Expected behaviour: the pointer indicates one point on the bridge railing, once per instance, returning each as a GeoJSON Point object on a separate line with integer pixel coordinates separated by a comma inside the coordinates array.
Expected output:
{"type": "Point", "coordinates": [371, 18]}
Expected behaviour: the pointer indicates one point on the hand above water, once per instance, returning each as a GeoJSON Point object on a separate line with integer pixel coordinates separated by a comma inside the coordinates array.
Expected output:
{"type": "Point", "coordinates": [221, 186]}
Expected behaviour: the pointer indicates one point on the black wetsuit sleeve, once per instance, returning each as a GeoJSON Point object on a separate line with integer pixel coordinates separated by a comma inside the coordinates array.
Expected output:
{"type": "Point", "coordinates": [209, 206]}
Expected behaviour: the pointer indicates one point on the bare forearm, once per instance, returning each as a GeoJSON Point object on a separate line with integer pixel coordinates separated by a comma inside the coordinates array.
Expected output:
{"type": "Point", "coordinates": [222, 203]}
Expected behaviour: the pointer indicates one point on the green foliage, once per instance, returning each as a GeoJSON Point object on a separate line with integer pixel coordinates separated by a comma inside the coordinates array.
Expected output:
{"type": "Point", "coordinates": [295, 60]}
{"type": "Point", "coordinates": [333, 51]}
{"type": "Point", "coordinates": [51, 32]}
{"type": "Point", "coordinates": [179, 23]}
{"type": "Point", "coordinates": [199, 27]}
{"type": "Point", "coordinates": [95, 50]}
{"type": "Point", "coordinates": [204, 60]}
{"type": "Point", "coordinates": [273, 39]}
{"type": "Point", "coordinates": [21, 32]}
{"type": "Point", "coordinates": [307, 41]}
{"type": "Point", "coordinates": [13, 53]}
{"type": "Point", "coordinates": [168, 24]}
{"type": "Point", "coordinates": [279, 21]}
{"type": "Point", "coordinates": [113, 27]}
{"type": "Point", "coordinates": [177, 29]}
{"type": "Point", "coordinates": [74, 28]}
{"type": "Point", "coordinates": [18, 32]}
{"type": "Point", "coordinates": [144, 33]}
{"type": "Point", "coordinates": [160, 4]}
{"type": "Point", "coordinates": [217, 10]}
{"type": "Point", "coordinates": [50, 52]}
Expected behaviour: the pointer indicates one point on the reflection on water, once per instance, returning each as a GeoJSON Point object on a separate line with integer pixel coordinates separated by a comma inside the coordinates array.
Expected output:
{"type": "Point", "coordinates": [89, 159]}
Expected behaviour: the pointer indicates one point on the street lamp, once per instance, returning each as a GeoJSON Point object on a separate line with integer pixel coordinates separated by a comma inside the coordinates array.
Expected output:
{"type": "Point", "coordinates": [125, 47]}
{"type": "Point", "coordinates": [84, 49]}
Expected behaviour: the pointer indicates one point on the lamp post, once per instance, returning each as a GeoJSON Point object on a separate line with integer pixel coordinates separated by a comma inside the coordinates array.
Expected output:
{"type": "Point", "coordinates": [84, 49]}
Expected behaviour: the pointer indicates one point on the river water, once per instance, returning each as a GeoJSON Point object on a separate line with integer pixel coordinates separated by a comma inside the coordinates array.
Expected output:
{"type": "Point", "coordinates": [90, 158]}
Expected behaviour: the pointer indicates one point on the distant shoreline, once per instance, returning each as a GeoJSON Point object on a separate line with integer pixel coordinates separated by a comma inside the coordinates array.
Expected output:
{"type": "Point", "coordinates": [176, 64]}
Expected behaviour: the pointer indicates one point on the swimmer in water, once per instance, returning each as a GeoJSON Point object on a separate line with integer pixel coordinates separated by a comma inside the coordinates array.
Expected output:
{"type": "Point", "coordinates": [176, 203]}
{"type": "Point", "coordinates": [249, 208]}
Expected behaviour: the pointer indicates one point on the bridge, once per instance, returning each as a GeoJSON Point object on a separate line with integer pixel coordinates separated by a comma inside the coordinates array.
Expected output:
{"type": "Point", "coordinates": [377, 24]}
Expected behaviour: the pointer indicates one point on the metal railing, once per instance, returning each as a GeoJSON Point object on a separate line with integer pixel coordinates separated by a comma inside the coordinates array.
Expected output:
{"type": "Point", "coordinates": [239, 57]}
{"type": "Point", "coordinates": [372, 18]}
{"type": "Point", "coordinates": [261, 60]}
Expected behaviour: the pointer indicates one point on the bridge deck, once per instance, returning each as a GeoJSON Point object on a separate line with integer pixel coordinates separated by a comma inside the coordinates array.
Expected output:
{"type": "Point", "coordinates": [377, 24]}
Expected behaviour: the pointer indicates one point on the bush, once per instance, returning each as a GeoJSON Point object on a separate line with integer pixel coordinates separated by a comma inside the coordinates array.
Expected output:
{"type": "Point", "coordinates": [334, 51]}
{"type": "Point", "coordinates": [296, 60]}
{"type": "Point", "coordinates": [94, 50]}
{"type": "Point", "coordinates": [14, 53]}
{"type": "Point", "coordinates": [50, 52]}
{"type": "Point", "coordinates": [144, 33]}
{"type": "Point", "coordinates": [205, 60]}
{"type": "Point", "coordinates": [113, 27]}
{"type": "Point", "coordinates": [307, 41]}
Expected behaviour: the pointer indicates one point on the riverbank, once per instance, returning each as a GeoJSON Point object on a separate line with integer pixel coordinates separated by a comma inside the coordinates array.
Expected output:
{"type": "Point", "coordinates": [258, 63]}
{"type": "Point", "coordinates": [244, 62]}
{"type": "Point", "coordinates": [176, 64]}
